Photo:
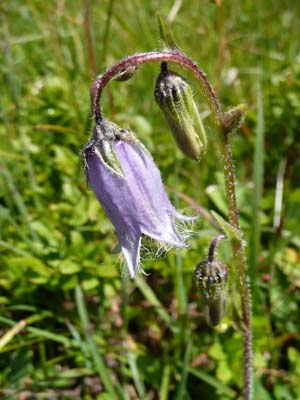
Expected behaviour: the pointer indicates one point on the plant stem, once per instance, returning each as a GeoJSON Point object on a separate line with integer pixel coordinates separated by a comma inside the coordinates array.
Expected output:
{"type": "Point", "coordinates": [155, 56]}
{"type": "Point", "coordinates": [240, 260]}
{"type": "Point", "coordinates": [237, 244]}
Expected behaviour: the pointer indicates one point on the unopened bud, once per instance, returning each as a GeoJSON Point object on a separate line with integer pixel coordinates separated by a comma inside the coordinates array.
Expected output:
{"type": "Point", "coordinates": [234, 118]}
{"type": "Point", "coordinates": [126, 74]}
{"type": "Point", "coordinates": [211, 276]}
{"type": "Point", "coordinates": [175, 97]}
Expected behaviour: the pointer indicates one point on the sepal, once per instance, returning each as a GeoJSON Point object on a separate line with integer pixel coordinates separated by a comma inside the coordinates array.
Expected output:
{"type": "Point", "coordinates": [106, 154]}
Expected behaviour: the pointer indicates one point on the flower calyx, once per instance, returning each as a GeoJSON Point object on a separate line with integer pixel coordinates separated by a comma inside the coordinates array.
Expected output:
{"type": "Point", "coordinates": [101, 143]}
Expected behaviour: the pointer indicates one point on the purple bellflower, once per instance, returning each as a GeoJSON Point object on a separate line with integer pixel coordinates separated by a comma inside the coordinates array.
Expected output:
{"type": "Point", "coordinates": [128, 185]}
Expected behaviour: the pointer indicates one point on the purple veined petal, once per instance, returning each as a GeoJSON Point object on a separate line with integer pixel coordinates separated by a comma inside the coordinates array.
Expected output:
{"type": "Point", "coordinates": [156, 211]}
{"type": "Point", "coordinates": [136, 204]}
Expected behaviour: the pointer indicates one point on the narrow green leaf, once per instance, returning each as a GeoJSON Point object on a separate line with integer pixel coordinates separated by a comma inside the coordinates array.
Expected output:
{"type": "Point", "coordinates": [151, 297]}
{"type": "Point", "coordinates": [228, 229]}
{"type": "Point", "coordinates": [138, 382]}
{"type": "Point", "coordinates": [165, 33]}
{"type": "Point", "coordinates": [40, 332]}
{"type": "Point", "coordinates": [219, 386]}
{"type": "Point", "coordinates": [165, 383]}
{"type": "Point", "coordinates": [181, 390]}
{"type": "Point", "coordinates": [94, 351]}
{"type": "Point", "coordinates": [258, 173]}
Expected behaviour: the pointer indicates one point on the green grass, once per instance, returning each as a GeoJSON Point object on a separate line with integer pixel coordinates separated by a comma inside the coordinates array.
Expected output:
{"type": "Point", "coordinates": [70, 325]}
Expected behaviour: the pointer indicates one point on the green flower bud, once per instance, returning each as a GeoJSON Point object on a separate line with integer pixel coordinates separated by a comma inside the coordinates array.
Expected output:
{"type": "Point", "coordinates": [175, 97]}
{"type": "Point", "coordinates": [211, 277]}
{"type": "Point", "coordinates": [234, 118]}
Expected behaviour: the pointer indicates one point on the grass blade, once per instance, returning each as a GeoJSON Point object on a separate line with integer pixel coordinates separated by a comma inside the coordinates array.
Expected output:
{"type": "Point", "coordinates": [258, 174]}
{"type": "Point", "coordinates": [96, 356]}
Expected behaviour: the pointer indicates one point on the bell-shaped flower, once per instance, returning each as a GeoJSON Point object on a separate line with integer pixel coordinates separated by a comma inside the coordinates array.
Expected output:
{"type": "Point", "coordinates": [129, 187]}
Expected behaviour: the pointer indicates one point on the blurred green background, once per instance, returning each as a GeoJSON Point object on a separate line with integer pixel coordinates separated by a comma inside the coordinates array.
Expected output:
{"type": "Point", "coordinates": [70, 326]}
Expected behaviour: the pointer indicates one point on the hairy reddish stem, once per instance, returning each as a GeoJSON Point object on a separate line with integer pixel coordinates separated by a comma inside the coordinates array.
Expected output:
{"type": "Point", "coordinates": [241, 266]}
{"type": "Point", "coordinates": [156, 56]}
{"type": "Point", "coordinates": [181, 59]}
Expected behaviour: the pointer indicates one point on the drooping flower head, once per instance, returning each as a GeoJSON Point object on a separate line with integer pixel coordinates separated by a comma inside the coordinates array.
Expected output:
{"type": "Point", "coordinates": [128, 185]}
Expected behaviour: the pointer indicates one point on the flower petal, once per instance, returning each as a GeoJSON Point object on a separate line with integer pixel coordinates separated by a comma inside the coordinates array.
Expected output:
{"type": "Point", "coordinates": [131, 246]}
{"type": "Point", "coordinates": [155, 211]}
{"type": "Point", "coordinates": [137, 203]}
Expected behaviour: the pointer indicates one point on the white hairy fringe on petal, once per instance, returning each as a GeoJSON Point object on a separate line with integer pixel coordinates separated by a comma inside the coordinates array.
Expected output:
{"type": "Point", "coordinates": [184, 226]}
{"type": "Point", "coordinates": [152, 249]}
{"type": "Point", "coordinates": [122, 265]}
{"type": "Point", "coordinates": [141, 269]}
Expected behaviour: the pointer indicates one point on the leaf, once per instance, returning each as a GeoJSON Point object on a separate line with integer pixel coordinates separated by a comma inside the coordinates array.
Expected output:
{"type": "Point", "coordinates": [11, 333]}
{"type": "Point", "coordinates": [165, 33]}
{"type": "Point", "coordinates": [216, 352]}
{"type": "Point", "coordinates": [89, 284]}
{"type": "Point", "coordinates": [230, 231]}
{"type": "Point", "coordinates": [237, 320]}
{"type": "Point", "coordinates": [33, 264]}
{"type": "Point", "coordinates": [217, 197]}
{"type": "Point", "coordinates": [223, 372]}
{"type": "Point", "coordinates": [221, 387]}
{"type": "Point", "coordinates": [69, 267]}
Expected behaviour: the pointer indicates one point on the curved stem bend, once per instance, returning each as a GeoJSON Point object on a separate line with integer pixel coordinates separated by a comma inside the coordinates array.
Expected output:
{"type": "Point", "coordinates": [156, 56]}
{"type": "Point", "coordinates": [176, 57]}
